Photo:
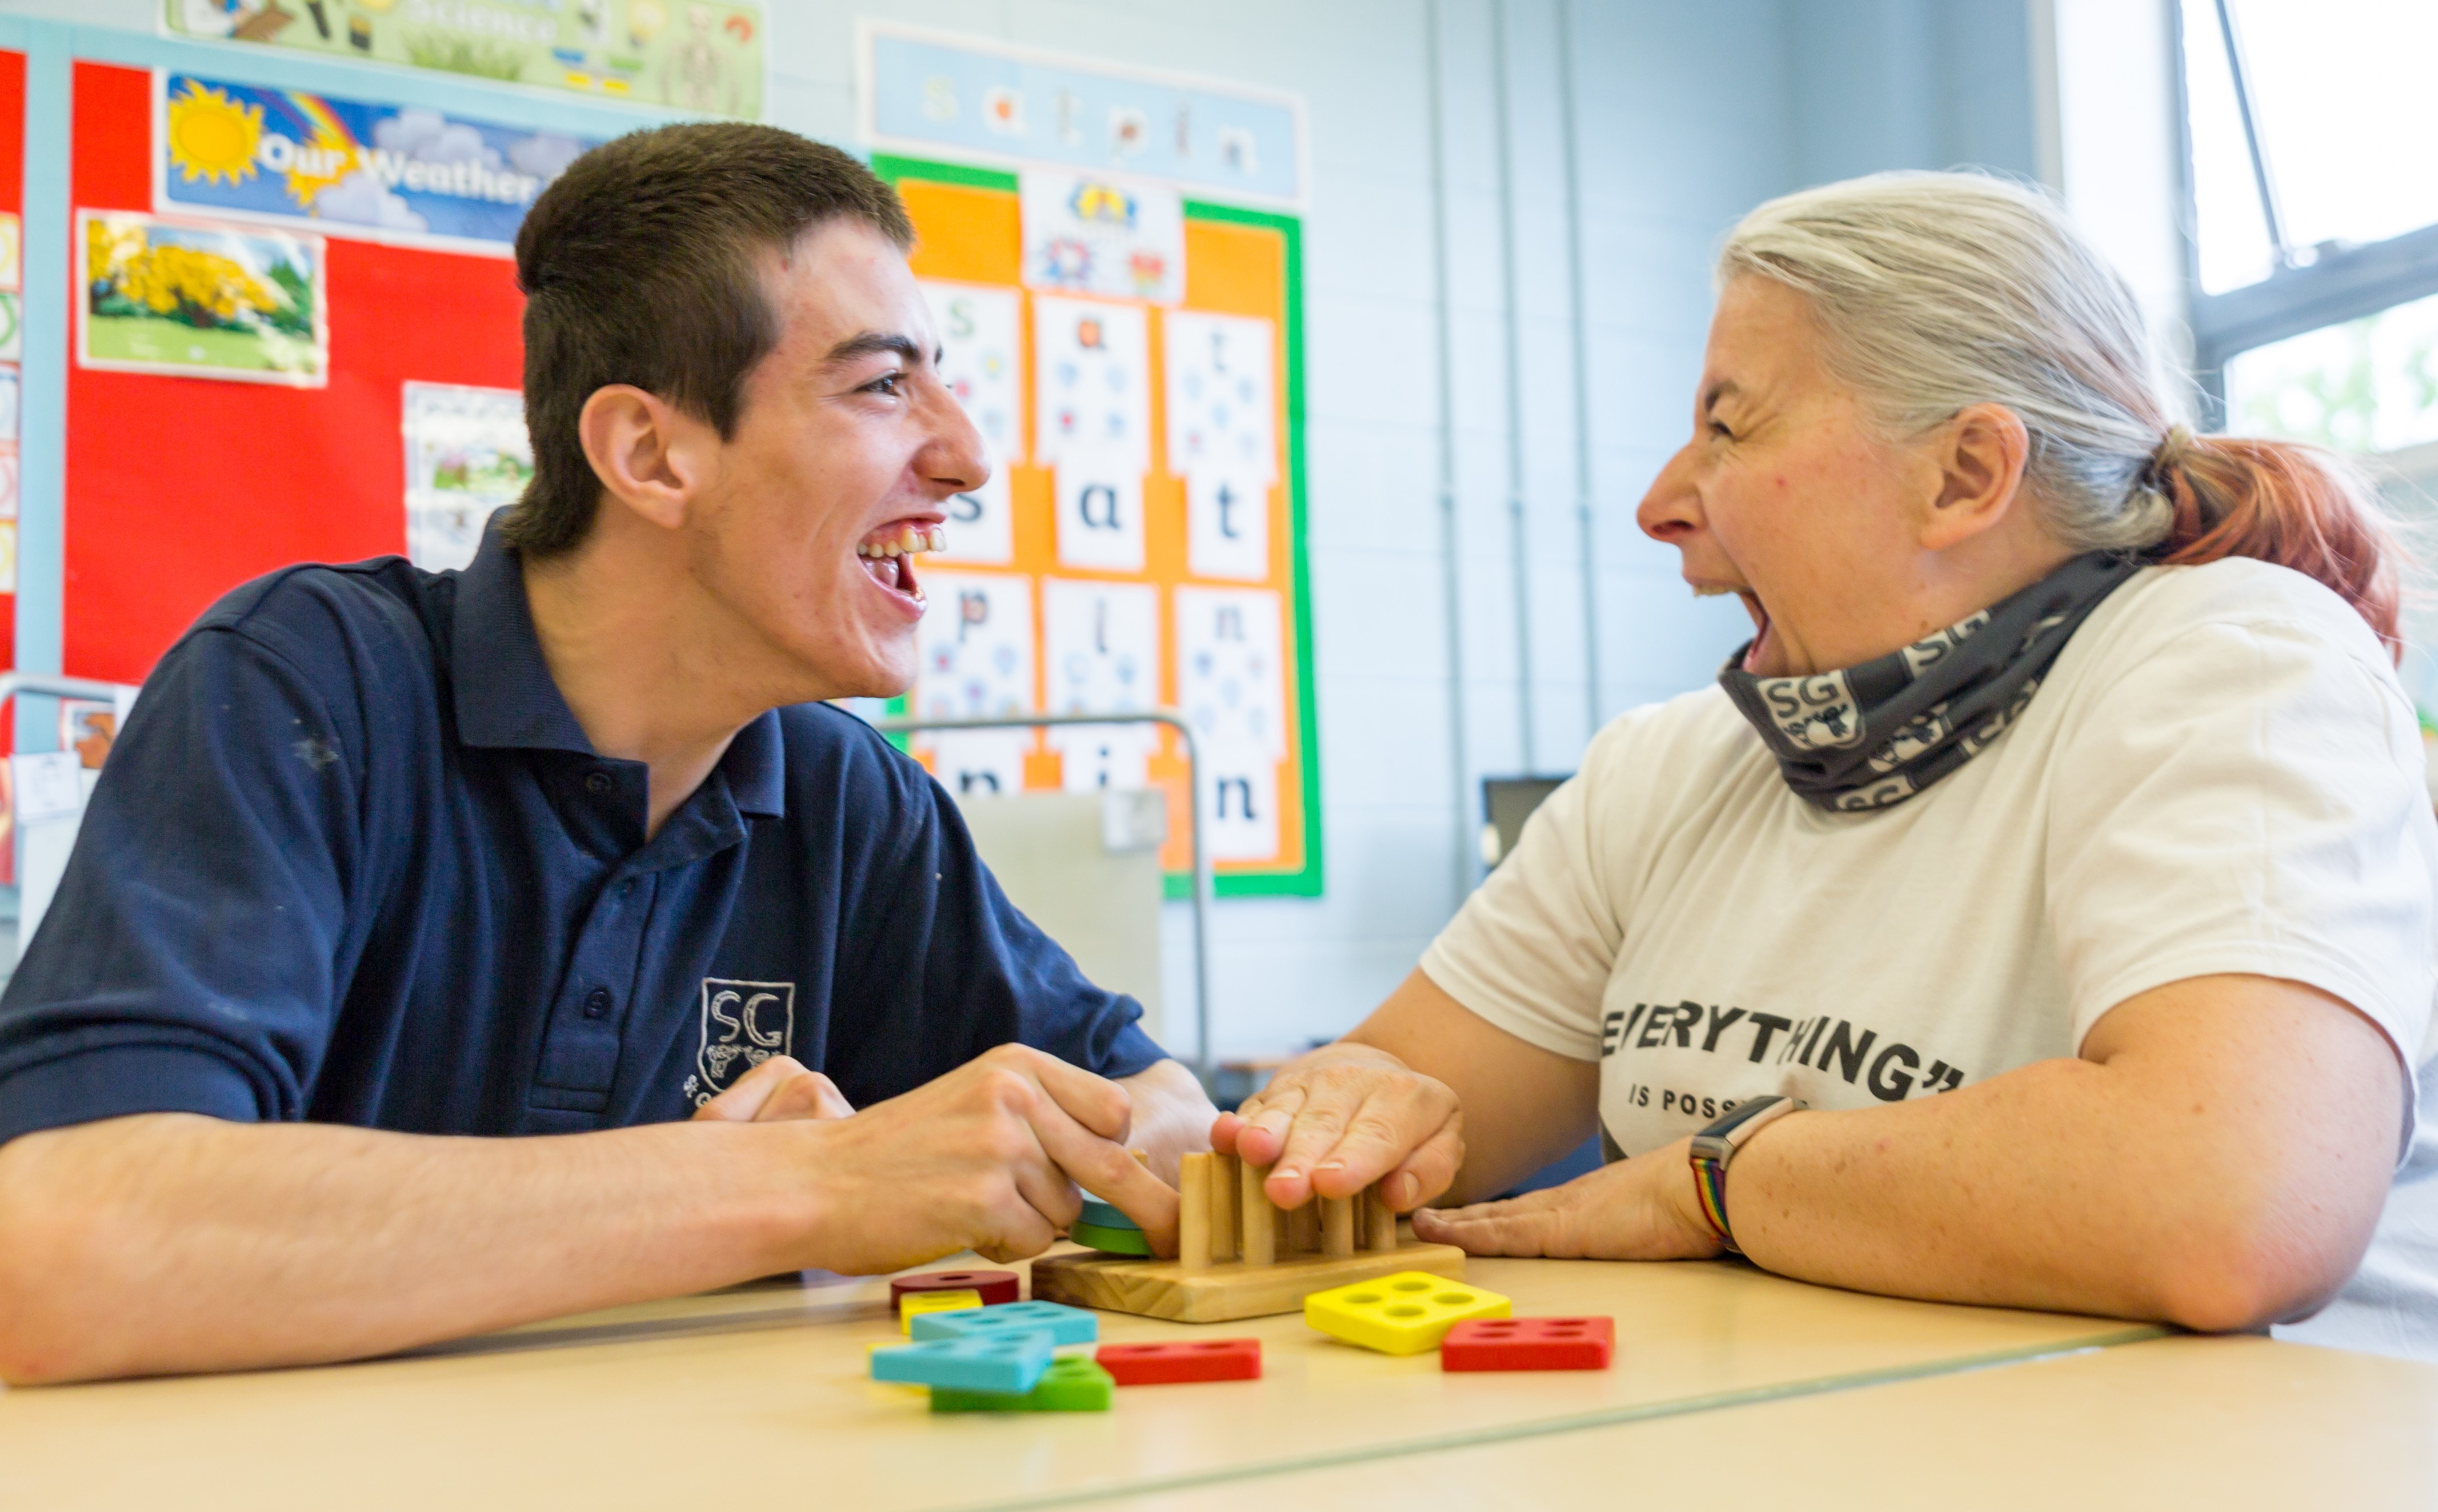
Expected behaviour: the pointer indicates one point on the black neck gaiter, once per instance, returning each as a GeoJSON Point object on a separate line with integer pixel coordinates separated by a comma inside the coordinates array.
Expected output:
{"type": "Point", "coordinates": [1873, 735]}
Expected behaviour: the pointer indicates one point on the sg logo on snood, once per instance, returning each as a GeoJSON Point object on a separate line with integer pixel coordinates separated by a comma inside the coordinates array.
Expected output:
{"type": "Point", "coordinates": [744, 1024]}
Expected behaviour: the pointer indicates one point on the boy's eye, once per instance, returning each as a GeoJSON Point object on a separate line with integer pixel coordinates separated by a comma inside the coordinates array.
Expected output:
{"type": "Point", "coordinates": [890, 383]}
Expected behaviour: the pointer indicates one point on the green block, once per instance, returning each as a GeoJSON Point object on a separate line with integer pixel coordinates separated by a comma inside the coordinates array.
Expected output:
{"type": "Point", "coordinates": [1073, 1384]}
{"type": "Point", "coordinates": [1101, 1215]}
{"type": "Point", "coordinates": [1114, 1241]}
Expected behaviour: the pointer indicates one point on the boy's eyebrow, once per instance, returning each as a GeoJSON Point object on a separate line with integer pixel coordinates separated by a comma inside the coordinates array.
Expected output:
{"type": "Point", "coordinates": [874, 344]}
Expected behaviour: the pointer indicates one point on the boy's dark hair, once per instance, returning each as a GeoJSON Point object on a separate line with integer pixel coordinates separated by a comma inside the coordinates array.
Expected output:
{"type": "Point", "coordinates": [643, 264]}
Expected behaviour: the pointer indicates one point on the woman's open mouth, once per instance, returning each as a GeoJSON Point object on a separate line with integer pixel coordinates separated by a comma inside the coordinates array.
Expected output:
{"type": "Point", "coordinates": [1753, 654]}
{"type": "Point", "coordinates": [887, 557]}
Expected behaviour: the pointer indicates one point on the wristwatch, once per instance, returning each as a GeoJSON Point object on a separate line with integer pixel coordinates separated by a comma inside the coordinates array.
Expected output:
{"type": "Point", "coordinates": [1716, 1145]}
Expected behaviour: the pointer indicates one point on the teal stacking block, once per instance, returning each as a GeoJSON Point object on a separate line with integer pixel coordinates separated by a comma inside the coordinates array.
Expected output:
{"type": "Point", "coordinates": [1063, 1325]}
{"type": "Point", "coordinates": [1101, 1215]}
{"type": "Point", "coordinates": [1009, 1362]}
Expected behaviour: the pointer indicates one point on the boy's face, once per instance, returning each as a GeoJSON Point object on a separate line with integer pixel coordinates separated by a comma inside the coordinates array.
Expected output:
{"type": "Point", "coordinates": [848, 443]}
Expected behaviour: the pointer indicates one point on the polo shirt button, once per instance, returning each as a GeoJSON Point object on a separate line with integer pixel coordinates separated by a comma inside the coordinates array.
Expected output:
{"type": "Point", "coordinates": [596, 1002]}
{"type": "Point", "coordinates": [596, 784]}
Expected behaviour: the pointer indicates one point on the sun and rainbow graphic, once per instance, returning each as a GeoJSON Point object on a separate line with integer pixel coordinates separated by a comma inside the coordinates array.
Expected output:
{"type": "Point", "coordinates": [212, 136]}
{"type": "Point", "coordinates": [217, 138]}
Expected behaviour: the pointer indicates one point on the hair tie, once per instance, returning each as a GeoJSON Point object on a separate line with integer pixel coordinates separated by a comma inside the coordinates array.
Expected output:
{"type": "Point", "coordinates": [2172, 451]}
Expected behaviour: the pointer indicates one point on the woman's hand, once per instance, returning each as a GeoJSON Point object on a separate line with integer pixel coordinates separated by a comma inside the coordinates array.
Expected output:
{"type": "Point", "coordinates": [1346, 1115]}
{"type": "Point", "coordinates": [1640, 1209]}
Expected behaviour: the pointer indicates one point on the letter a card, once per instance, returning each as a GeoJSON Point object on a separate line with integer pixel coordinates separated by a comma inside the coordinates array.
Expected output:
{"type": "Point", "coordinates": [1091, 381]}
{"type": "Point", "coordinates": [979, 338]}
{"type": "Point", "coordinates": [974, 646]}
{"type": "Point", "coordinates": [1100, 512]}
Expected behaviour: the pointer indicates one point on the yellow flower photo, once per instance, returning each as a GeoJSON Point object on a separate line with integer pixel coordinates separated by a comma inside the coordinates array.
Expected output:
{"type": "Point", "coordinates": [202, 301]}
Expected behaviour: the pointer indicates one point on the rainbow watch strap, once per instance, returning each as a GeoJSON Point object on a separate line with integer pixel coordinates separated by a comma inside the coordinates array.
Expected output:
{"type": "Point", "coordinates": [1710, 1180]}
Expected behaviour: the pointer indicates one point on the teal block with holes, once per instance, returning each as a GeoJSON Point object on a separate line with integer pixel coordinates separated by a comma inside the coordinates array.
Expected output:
{"type": "Point", "coordinates": [1071, 1385]}
{"type": "Point", "coordinates": [1007, 1362]}
{"type": "Point", "coordinates": [1063, 1325]}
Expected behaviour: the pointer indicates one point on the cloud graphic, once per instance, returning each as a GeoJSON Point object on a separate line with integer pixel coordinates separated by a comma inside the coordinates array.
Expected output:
{"type": "Point", "coordinates": [545, 156]}
{"type": "Point", "coordinates": [428, 137]}
{"type": "Point", "coordinates": [360, 200]}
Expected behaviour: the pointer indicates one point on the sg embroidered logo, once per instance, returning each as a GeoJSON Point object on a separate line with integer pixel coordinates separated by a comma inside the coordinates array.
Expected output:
{"type": "Point", "coordinates": [744, 1024]}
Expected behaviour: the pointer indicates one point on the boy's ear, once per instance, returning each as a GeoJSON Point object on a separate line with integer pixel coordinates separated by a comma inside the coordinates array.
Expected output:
{"type": "Point", "coordinates": [650, 455]}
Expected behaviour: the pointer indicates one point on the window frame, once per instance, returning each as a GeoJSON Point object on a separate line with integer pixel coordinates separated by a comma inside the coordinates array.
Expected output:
{"type": "Point", "coordinates": [2340, 283]}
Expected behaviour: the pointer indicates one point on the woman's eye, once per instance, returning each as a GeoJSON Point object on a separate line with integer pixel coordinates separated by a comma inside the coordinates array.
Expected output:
{"type": "Point", "coordinates": [1722, 431]}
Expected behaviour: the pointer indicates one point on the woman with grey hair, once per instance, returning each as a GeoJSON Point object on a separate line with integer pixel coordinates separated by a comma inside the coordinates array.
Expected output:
{"type": "Point", "coordinates": [2040, 911]}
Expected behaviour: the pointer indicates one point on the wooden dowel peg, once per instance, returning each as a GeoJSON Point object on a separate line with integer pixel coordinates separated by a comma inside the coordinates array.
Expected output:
{"type": "Point", "coordinates": [1224, 1225]}
{"type": "Point", "coordinates": [1378, 1221]}
{"type": "Point", "coordinates": [1261, 1229]}
{"type": "Point", "coordinates": [1193, 1212]}
{"type": "Point", "coordinates": [1303, 1228]}
{"type": "Point", "coordinates": [1337, 1227]}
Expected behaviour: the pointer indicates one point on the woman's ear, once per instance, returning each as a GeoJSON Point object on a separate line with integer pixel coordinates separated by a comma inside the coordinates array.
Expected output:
{"type": "Point", "coordinates": [1980, 456]}
{"type": "Point", "coordinates": [650, 456]}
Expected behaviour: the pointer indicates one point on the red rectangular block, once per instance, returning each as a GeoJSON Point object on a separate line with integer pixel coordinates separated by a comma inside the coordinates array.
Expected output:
{"type": "Point", "coordinates": [1159, 1364]}
{"type": "Point", "coordinates": [995, 1286]}
{"type": "Point", "coordinates": [1530, 1344]}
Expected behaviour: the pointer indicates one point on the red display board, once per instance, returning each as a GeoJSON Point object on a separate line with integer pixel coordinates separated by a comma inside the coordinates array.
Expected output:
{"type": "Point", "coordinates": [12, 202]}
{"type": "Point", "coordinates": [180, 488]}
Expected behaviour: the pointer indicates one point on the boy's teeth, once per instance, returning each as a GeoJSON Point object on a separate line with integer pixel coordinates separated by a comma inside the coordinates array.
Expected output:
{"type": "Point", "coordinates": [909, 540]}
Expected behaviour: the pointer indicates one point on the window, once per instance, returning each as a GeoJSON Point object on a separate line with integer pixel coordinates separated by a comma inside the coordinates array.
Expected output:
{"type": "Point", "coordinates": [2314, 217]}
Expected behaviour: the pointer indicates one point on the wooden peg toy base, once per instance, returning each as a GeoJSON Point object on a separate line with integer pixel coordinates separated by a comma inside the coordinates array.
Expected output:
{"type": "Point", "coordinates": [1238, 1256]}
{"type": "Point", "coordinates": [1227, 1291]}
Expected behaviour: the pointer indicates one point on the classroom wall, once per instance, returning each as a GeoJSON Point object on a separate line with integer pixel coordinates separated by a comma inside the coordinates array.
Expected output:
{"type": "Point", "coordinates": [1689, 112]}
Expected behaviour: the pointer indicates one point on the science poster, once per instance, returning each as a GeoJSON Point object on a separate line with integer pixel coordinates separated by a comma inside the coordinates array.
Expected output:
{"type": "Point", "coordinates": [690, 54]}
{"type": "Point", "coordinates": [200, 301]}
{"type": "Point", "coordinates": [378, 172]}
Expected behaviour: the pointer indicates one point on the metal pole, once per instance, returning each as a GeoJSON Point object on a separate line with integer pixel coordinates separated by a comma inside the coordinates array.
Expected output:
{"type": "Point", "coordinates": [1586, 526]}
{"type": "Point", "coordinates": [1518, 529]}
{"type": "Point", "coordinates": [1202, 1065]}
{"type": "Point", "coordinates": [1451, 584]}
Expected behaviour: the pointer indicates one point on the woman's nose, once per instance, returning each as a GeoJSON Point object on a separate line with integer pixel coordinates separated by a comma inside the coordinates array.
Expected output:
{"type": "Point", "coordinates": [1672, 509]}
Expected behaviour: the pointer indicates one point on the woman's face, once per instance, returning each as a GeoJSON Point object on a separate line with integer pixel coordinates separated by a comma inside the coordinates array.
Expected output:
{"type": "Point", "coordinates": [1788, 497]}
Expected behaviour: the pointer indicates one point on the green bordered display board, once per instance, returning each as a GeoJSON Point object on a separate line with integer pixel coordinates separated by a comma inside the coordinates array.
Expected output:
{"type": "Point", "coordinates": [1141, 543]}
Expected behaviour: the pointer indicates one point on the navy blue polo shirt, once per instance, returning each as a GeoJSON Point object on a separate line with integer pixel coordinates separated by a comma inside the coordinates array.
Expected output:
{"type": "Point", "coordinates": [353, 861]}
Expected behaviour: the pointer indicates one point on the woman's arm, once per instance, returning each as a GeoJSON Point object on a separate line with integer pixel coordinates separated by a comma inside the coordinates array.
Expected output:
{"type": "Point", "coordinates": [2218, 1158]}
{"type": "Point", "coordinates": [1425, 1094]}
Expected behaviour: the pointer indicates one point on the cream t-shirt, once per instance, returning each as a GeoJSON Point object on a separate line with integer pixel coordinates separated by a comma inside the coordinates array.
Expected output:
{"type": "Point", "coordinates": [2220, 774]}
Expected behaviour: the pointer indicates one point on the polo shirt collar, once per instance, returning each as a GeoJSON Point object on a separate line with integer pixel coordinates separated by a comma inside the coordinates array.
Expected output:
{"type": "Point", "coordinates": [505, 696]}
{"type": "Point", "coordinates": [505, 693]}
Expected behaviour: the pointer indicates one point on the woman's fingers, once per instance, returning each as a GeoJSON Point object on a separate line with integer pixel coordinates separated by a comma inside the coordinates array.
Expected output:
{"type": "Point", "coordinates": [1527, 1225]}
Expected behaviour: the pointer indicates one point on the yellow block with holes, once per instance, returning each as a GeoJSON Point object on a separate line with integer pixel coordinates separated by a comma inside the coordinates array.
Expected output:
{"type": "Point", "coordinates": [933, 1302]}
{"type": "Point", "coordinates": [1401, 1314]}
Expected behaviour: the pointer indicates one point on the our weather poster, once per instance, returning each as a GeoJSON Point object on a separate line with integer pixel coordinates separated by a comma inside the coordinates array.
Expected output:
{"type": "Point", "coordinates": [379, 173]}
{"type": "Point", "coordinates": [690, 54]}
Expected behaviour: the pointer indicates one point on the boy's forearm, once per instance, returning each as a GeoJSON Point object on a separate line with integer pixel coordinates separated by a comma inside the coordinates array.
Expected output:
{"type": "Point", "coordinates": [169, 1243]}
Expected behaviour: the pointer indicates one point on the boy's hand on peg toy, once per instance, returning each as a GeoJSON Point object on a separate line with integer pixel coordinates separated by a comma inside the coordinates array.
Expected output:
{"type": "Point", "coordinates": [1346, 1115]}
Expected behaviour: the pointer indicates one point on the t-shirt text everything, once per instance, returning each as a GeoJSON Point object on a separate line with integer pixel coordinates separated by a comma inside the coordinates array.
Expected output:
{"type": "Point", "coordinates": [1823, 1044]}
